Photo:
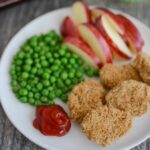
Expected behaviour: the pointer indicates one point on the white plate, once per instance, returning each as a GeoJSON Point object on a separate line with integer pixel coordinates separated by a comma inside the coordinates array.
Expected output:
{"type": "Point", "coordinates": [22, 115]}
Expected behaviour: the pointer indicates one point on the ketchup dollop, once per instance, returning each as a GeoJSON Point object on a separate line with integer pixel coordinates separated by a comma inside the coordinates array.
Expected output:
{"type": "Point", "coordinates": [52, 120]}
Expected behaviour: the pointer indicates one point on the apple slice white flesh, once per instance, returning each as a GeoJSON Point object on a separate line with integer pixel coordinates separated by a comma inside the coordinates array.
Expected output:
{"type": "Point", "coordinates": [83, 51]}
{"type": "Point", "coordinates": [96, 41]}
{"type": "Point", "coordinates": [81, 13]}
{"type": "Point", "coordinates": [115, 37]}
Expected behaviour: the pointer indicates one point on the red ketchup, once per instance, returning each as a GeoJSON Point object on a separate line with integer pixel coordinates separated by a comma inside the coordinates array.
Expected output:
{"type": "Point", "coordinates": [52, 120]}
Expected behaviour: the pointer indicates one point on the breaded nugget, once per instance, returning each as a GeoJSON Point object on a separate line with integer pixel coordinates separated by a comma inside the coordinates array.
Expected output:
{"type": "Point", "coordinates": [132, 96]}
{"type": "Point", "coordinates": [142, 65]}
{"type": "Point", "coordinates": [112, 75]}
{"type": "Point", "coordinates": [85, 96]}
{"type": "Point", "coordinates": [106, 124]}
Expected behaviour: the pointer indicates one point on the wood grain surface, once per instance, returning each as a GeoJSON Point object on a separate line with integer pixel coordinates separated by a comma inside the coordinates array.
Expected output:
{"type": "Point", "coordinates": [13, 18]}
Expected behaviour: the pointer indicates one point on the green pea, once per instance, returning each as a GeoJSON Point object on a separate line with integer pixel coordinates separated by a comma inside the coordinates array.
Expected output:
{"type": "Point", "coordinates": [45, 92]}
{"type": "Point", "coordinates": [64, 60]}
{"type": "Point", "coordinates": [23, 99]}
{"type": "Point", "coordinates": [72, 61]}
{"type": "Point", "coordinates": [21, 54]}
{"type": "Point", "coordinates": [28, 87]}
{"type": "Point", "coordinates": [64, 75]}
{"type": "Point", "coordinates": [51, 102]}
{"type": "Point", "coordinates": [46, 83]}
{"type": "Point", "coordinates": [27, 68]}
{"type": "Point", "coordinates": [71, 75]}
{"type": "Point", "coordinates": [79, 74]}
{"type": "Point", "coordinates": [44, 99]}
{"type": "Point", "coordinates": [49, 55]}
{"type": "Point", "coordinates": [29, 61]}
{"type": "Point", "coordinates": [14, 83]}
{"type": "Point", "coordinates": [58, 92]}
{"type": "Point", "coordinates": [90, 73]}
{"type": "Point", "coordinates": [52, 79]}
{"type": "Point", "coordinates": [18, 62]}
{"type": "Point", "coordinates": [30, 95]}
{"type": "Point", "coordinates": [59, 83]}
{"type": "Point", "coordinates": [34, 70]}
{"type": "Point", "coordinates": [52, 95]}
{"type": "Point", "coordinates": [64, 98]}
{"type": "Point", "coordinates": [40, 71]}
{"type": "Point", "coordinates": [23, 83]}
{"type": "Point", "coordinates": [37, 103]}
{"type": "Point", "coordinates": [44, 63]}
{"type": "Point", "coordinates": [31, 101]}
{"type": "Point", "coordinates": [37, 95]}
{"type": "Point", "coordinates": [55, 68]}
{"type": "Point", "coordinates": [68, 81]}
{"type": "Point", "coordinates": [46, 75]}
{"type": "Point", "coordinates": [23, 92]}
{"type": "Point", "coordinates": [62, 52]}
{"type": "Point", "coordinates": [39, 86]}
{"type": "Point", "coordinates": [25, 75]}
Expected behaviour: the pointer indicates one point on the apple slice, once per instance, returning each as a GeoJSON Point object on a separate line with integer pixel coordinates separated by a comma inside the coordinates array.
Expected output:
{"type": "Point", "coordinates": [81, 12]}
{"type": "Point", "coordinates": [68, 28]}
{"type": "Point", "coordinates": [123, 26]}
{"type": "Point", "coordinates": [132, 34]}
{"type": "Point", "coordinates": [81, 49]}
{"type": "Point", "coordinates": [115, 21]}
{"type": "Point", "coordinates": [115, 41]}
{"type": "Point", "coordinates": [96, 41]}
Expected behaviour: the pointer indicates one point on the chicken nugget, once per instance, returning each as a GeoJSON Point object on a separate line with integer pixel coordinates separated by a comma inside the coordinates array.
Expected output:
{"type": "Point", "coordinates": [111, 75]}
{"type": "Point", "coordinates": [142, 65]}
{"type": "Point", "coordinates": [85, 96]}
{"type": "Point", "coordinates": [106, 124]}
{"type": "Point", "coordinates": [131, 96]}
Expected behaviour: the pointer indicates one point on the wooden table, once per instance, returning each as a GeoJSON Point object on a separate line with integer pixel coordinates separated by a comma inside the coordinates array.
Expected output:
{"type": "Point", "coordinates": [13, 18]}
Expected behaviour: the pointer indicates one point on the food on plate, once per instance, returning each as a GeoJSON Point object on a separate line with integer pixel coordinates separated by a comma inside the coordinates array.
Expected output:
{"type": "Point", "coordinates": [50, 66]}
{"type": "Point", "coordinates": [96, 41]}
{"type": "Point", "coordinates": [109, 35]}
{"type": "Point", "coordinates": [123, 26]}
{"type": "Point", "coordinates": [132, 34]}
{"type": "Point", "coordinates": [106, 124]}
{"type": "Point", "coordinates": [131, 96]}
{"type": "Point", "coordinates": [52, 120]}
{"type": "Point", "coordinates": [81, 12]}
{"type": "Point", "coordinates": [111, 75]}
{"type": "Point", "coordinates": [112, 17]}
{"type": "Point", "coordinates": [84, 97]}
{"type": "Point", "coordinates": [44, 69]}
{"type": "Point", "coordinates": [142, 65]}
{"type": "Point", "coordinates": [68, 28]}
{"type": "Point", "coordinates": [113, 38]}
{"type": "Point", "coordinates": [81, 49]}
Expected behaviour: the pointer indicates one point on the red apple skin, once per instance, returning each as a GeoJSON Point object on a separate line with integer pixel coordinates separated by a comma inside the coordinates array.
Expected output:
{"type": "Point", "coordinates": [101, 39]}
{"type": "Point", "coordinates": [83, 47]}
{"type": "Point", "coordinates": [132, 34]}
{"type": "Point", "coordinates": [87, 11]}
{"type": "Point", "coordinates": [104, 11]}
{"type": "Point", "coordinates": [113, 46]}
{"type": "Point", "coordinates": [68, 28]}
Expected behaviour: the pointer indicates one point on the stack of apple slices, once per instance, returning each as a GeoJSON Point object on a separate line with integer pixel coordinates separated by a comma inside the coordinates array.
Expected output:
{"type": "Point", "coordinates": [98, 35]}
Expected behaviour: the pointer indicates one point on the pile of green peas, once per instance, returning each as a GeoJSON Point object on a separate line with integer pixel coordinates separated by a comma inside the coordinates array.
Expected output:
{"type": "Point", "coordinates": [45, 69]}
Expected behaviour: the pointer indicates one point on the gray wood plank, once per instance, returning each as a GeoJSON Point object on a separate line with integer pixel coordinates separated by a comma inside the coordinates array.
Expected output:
{"type": "Point", "coordinates": [13, 18]}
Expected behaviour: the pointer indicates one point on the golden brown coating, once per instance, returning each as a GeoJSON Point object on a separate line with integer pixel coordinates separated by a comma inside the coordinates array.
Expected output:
{"type": "Point", "coordinates": [142, 65]}
{"type": "Point", "coordinates": [106, 124]}
{"type": "Point", "coordinates": [111, 75]}
{"type": "Point", "coordinates": [84, 97]}
{"type": "Point", "coordinates": [131, 96]}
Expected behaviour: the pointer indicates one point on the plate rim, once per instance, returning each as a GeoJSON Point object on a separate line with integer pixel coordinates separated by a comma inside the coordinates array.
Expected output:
{"type": "Point", "coordinates": [50, 147]}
